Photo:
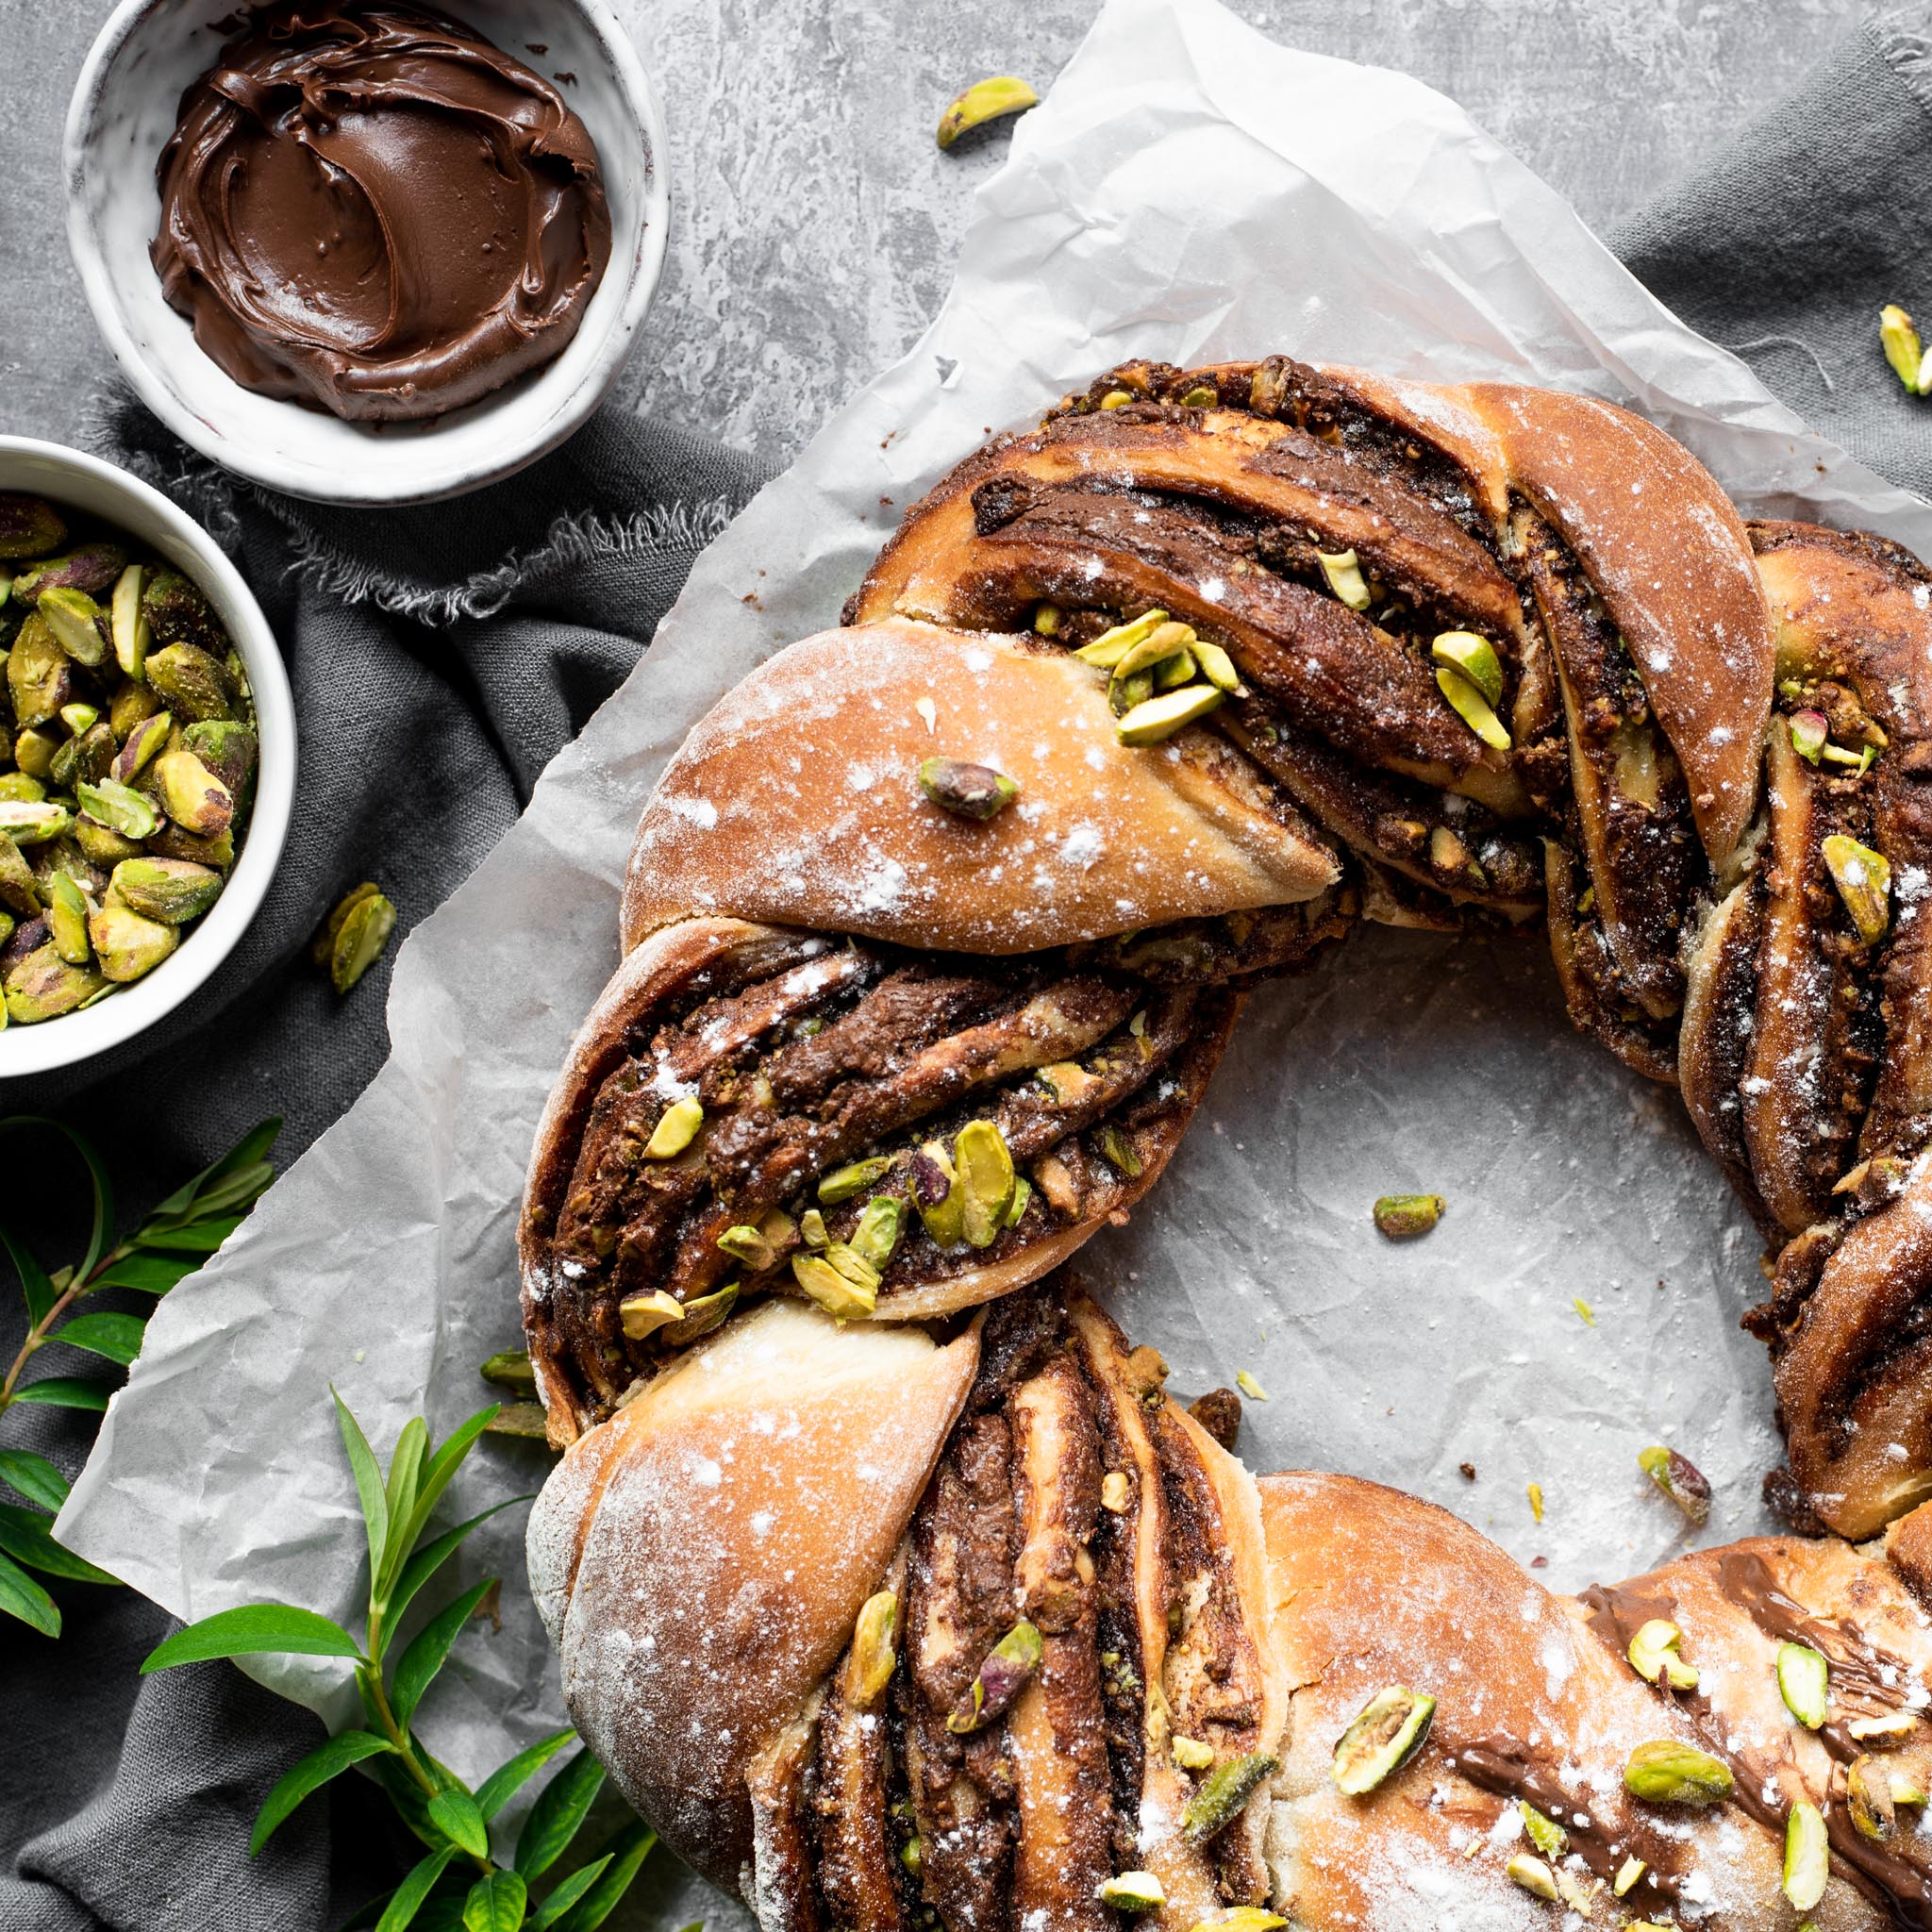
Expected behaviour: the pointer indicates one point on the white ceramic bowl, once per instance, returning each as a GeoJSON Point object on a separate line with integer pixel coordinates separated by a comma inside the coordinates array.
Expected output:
{"type": "Point", "coordinates": [85, 483]}
{"type": "Point", "coordinates": [123, 109]}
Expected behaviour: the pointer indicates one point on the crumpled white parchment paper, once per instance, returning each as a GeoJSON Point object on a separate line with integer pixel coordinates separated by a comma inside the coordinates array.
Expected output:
{"type": "Point", "coordinates": [1188, 191]}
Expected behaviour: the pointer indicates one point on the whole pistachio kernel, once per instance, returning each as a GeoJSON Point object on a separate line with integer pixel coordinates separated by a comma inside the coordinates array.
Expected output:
{"type": "Point", "coordinates": [1110, 646]}
{"type": "Point", "coordinates": [1401, 1216]}
{"type": "Point", "coordinates": [986, 1174]}
{"type": "Point", "coordinates": [873, 1657]}
{"type": "Point", "coordinates": [1808, 1855]}
{"type": "Point", "coordinates": [1222, 1795]}
{"type": "Point", "coordinates": [1810, 732]}
{"type": "Point", "coordinates": [832, 1289]}
{"type": "Point", "coordinates": [1653, 1655]}
{"type": "Point", "coordinates": [1469, 704]}
{"type": "Point", "coordinates": [127, 945]}
{"type": "Point", "coordinates": [677, 1127]}
{"type": "Point", "coordinates": [192, 796]}
{"type": "Point", "coordinates": [1131, 1891]}
{"type": "Point", "coordinates": [1863, 878]}
{"type": "Point", "coordinates": [985, 100]}
{"type": "Point", "coordinates": [842, 1183]}
{"type": "Point", "coordinates": [42, 986]}
{"type": "Point", "coordinates": [643, 1315]}
{"type": "Point", "coordinates": [876, 1237]}
{"type": "Point", "coordinates": [1003, 1673]}
{"type": "Point", "coordinates": [1473, 657]}
{"type": "Point", "coordinates": [966, 790]}
{"type": "Point", "coordinates": [1868, 1799]}
{"type": "Point", "coordinates": [1679, 1479]}
{"type": "Point", "coordinates": [29, 526]}
{"type": "Point", "coordinates": [1665, 1771]}
{"type": "Point", "coordinates": [366, 920]}
{"type": "Point", "coordinates": [1383, 1736]}
{"type": "Point", "coordinates": [1344, 572]}
{"type": "Point", "coordinates": [1804, 1681]}
{"type": "Point", "coordinates": [1533, 1876]}
{"type": "Point", "coordinates": [1900, 340]}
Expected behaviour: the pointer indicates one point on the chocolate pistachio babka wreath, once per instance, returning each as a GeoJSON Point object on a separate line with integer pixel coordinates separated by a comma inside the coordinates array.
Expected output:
{"type": "Point", "coordinates": [934, 932]}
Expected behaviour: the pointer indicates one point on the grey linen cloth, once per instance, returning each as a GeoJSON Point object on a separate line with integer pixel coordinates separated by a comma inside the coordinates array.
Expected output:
{"type": "Point", "coordinates": [439, 656]}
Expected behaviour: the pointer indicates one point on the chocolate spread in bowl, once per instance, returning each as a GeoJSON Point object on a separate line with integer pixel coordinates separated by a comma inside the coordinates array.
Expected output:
{"type": "Point", "coordinates": [367, 208]}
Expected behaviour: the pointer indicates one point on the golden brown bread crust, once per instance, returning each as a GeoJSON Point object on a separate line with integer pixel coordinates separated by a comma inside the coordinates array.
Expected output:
{"type": "Point", "coordinates": [812, 763]}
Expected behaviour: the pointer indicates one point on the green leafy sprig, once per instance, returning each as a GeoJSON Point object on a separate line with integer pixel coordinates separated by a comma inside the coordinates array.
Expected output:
{"type": "Point", "coordinates": [459, 1886]}
{"type": "Point", "coordinates": [174, 1239]}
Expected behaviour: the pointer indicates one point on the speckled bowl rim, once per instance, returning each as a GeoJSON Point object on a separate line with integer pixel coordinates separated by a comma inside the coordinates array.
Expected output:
{"type": "Point", "coordinates": [365, 487]}
{"type": "Point", "coordinates": [80, 1036]}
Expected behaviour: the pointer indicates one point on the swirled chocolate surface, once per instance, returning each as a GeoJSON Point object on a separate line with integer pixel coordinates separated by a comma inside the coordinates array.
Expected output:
{"type": "Point", "coordinates": [368, 207]}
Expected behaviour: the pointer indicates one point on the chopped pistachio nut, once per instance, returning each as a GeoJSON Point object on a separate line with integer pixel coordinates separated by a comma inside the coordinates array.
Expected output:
{"type": "Point", "coordinates": [42, 986]}
{"type": "Point", "coordinates": [1665, 1771]}
{"type": "Point", "coordinates": [1249, 1387]}
{"type": "Point", "coordinates": [873, 1657]}
{"type": "Point", "coordinates": [1116, 1489]}
{"type": "Point", "coordinates": [1868, 1799]}
{"type": "Point", "coordinates": [749, 1245]}
{"type": "Point", "coordinates": [1883, 1733]}
{"type": "Point", "coordinates": [1222, 1795]}
{"type": "Point", "coordinates": [78, 718]}
{"type": "Point", "coordinates": [1472, 657]}
{"type": "Point", "coordinates": [127, 623]}
{"type": "Point", "coordinates": [526, 1419]}
{"type": "Point", "coordinates": [1204, 395]}
{"type": "Point", "coordinates": [1384, 1735]}
{"type": "Point", "coordinates": [1121, 1152]}
{"type": "Point", "coordinates": [702, 1315]}
{"type": "Point", "coordinates": [359, 930]}
{"type": "Point", "coordinates": [1116, 399]}
{"type": "Point", "coordinates": [1469, 704]}
{"type": "Point", "coordinates": [988, 1181]}
{"type": "Point", "coordinates": [643, 1315]}
{"type": "Point", "coordinates": [1804, 1681]}
{"type": "Point", "coordinates": [1218, 668]}
{"type": "Point", "coordinates": [938, 1195]}
{"type": "Point", "coordinates": [1900, 340]}
{"type": "Point", "coordinates": [1679, 1479]}
{"type": "Point", "coordinates": [876, 1234]}
{"type": "Point", "coordinates": [120, 808]}
{"type": "Point", "coordinates": [1808, 1855]}
{"type": "Point", "coordinates": [811, 1228]}
{"type": "Point", "coordinates": [1909, 1785]}
{"type": "Point", "coordinates": [1110, 646]}
{"type": "Point", "coordinates": [1544, 1833]}
{"type": "Point", "coordinates": [1166, 643]}
{"type": "Point", "coordinates": [1810, 730]}
{"type": "Point", "coordinates": [1399, 1216]}
{"type": "Point", "coordinates": [834, 1289]}
{"type": "Point", "coordinates": [1242, 1918]}
{"type": "Point", "coordinates": [1344, 574]}
{"type": "Point", "coordinates": [1194, 1753]}
{"type": "Point", "coordinates": [1131, 1891]}
{"type": "Point", "coordinates": [912, 1855]}
{"type": "Point", "coordinates": [965, 790]}
{"type": "Point", "coordinates": [67, 916]}
{"type": "Point", "coordinates": [1047, 620]}
{"type": "Point", "coordinates": [842, 1183]}
{"type": "Point", "coordinates": [1156, 720]}
{"type": "Point", "coordinates": [1022, 1192]}
{"type": "Point", "coordinates": [1584, 1312]}
{"type": "Point", "coordinates": [1628, 1872]}
{"type": "Point", "coordinates": [1003, 1673]}
{"type": "Point", "coordinates": [34, 825]}
{"type": "Point", "coordinates": [75, 619]}
{"type": "Point", "coordinates": [1653, 1655]}
{"type": "Point", "coordinates": [1535, 1492]}
{"type": "Point", "coordinates": [1863, 878]}
{"type": "Point", "coordinates": [677, 1127]}
{"type": "Point", "coordinates": [1533, 1876]}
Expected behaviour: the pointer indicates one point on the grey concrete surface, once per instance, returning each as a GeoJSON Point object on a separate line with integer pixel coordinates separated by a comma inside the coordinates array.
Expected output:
{"type": "Point", "coordinates": [815, 220]}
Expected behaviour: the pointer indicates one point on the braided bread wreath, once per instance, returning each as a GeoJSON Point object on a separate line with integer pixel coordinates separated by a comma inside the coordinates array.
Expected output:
{"type": "Point", "coordinates": [951, 1615]}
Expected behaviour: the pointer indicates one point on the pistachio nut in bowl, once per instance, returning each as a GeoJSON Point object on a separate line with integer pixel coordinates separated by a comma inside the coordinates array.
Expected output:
{"type": "Point", "coordinates": [367, 251]}
{"type": "Point", "coordinates": [147, 759]}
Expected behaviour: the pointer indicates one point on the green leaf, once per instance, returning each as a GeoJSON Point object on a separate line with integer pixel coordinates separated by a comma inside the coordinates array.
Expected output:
{"type": "Point", "coordinates": [330, 1761]}
{"type": "Point", "coordinates": [407, 1900]}
{"type": "Point", "coordinates": [252, 1147]}
{"type": "Point", "coordinates": [34, 1477]}
{"type": "Point", "coordinates": [405, 1470]}
{"type": "Point", "coordinates": [568, 1893]}
{"type": "Point", "coordinates": [556, 1814]}
{"type": "Point", "coordinates": [496, 1904]}
{"type": "Point", "coordinates": [406, 1794]}
{"type": "Point", "coordinates": [27, 1536]}
{"type": "Point", "coordinates": [144, 1274]}
{"type": "Point", "coordinates": [117, 1337]}
{"type": "Point", "coordinates": [428, 1650]}
{"type": "Point", "coordinates": [432, 1557]}
{"type": "Point", "coordinates": [253, 1630]}
{"type": "Point", "coordinates": [368, 1484]}
{"type": "Point", "coordinates": [629, 1851]}
{"type": "Point", "coordinates": [193, 1237]}
{"type": "Point", "coordinates": [236, 1193]}
{"type": "Point", "coordinates": [455, 1814]}
{"type": "Point", "coordinates": [441, 1467]}
{"type": "Point", "coordinates": [65, 1391]}
{"type": "Point", "coordinates": [21, 1597]}
{"type": "Point", "coordinates": [41, 1293]}
{"type": "Point", "coordinates": [508, 1779]}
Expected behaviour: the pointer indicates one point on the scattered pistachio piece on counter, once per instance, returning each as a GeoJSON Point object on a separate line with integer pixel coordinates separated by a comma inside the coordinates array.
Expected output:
{"type": "Point", "coordinates": [985, 100]}
{"type": "Point", "coordinates": [1664, 1771]}
{"type": "Point", "coordinates": [1384, 1735]}
{"type": "Point", "coordinates": [875, 1657]}
{"type": "Point", "coordinates": [1535, 1494]}
{"type": "Point", "coordinates": [987, 1181]}
{"type": "Point", "coordinates": [1900, 340]}
{"type": "Point", "coordinates": [1110, 646]}
{"type": "Point", "coordinates": [1401, 1216]}
{"type": "Point", "coordinates": [510, 1367]}
{"type": "Point", "coordinates": [1863, 878]}
{"type": "Point", "coordinates": [1194, 1753]}
{"type": "Point", "coordinates": [1653, 1655]}
{"type": "Point", "coordinates": [643, 1315]}
{"type": "Point", "coordinates": [1223, 1795]}
{"type": "Point", "coordinates": [1804, 1681]}
{"type": "Point", "coordinates": [1249, 1387]}
{"type": "Point", "coordinates": [1533, 1876]}
{"type": "Point", "coordinates": [1628, 1872]}
{"type": "Point", "coordinates": [1131, 1891]}
{"type": "Point", "coordinates": [1003, 1673]}
{"type": "Point", "coordinates": [1868, 1799]}
{"type": "Point", "coordinates": [677, 1127]}
{"type": "Point", "coordinates": [833, 1288]}
{"type": "Point", "coordinates": [1679, 1479]}
{"type": "Point", "coordinates": [1344, 573]}
{"type": "Point", "coordinates": [966, 790]}
{"type": "Point", "coordinates": [1469, 704]}
{"type": "Point", "coordinates": [356, 932]}
{"type": "Point", "coordinates": [1808, 1855]}
{"type": "Point", "coordinates": [1810, 731]}
{"type": "Point", "coordinates": [1472, 657]}
{"type": "Point", "coordinates": [1584, 1312]}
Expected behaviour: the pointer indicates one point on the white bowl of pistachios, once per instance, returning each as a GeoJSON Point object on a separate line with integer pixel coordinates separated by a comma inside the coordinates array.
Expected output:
{"type": "Point", "coordinates": [147, 766]}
